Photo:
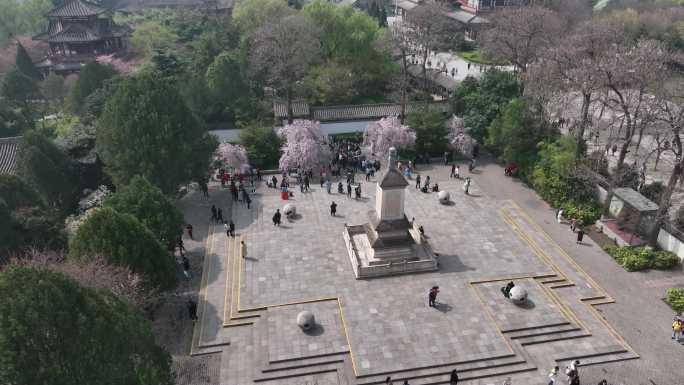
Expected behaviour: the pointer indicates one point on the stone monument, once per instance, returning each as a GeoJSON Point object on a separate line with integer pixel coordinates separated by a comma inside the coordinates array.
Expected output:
{"type": "Point", "coordinates": [388, 243]}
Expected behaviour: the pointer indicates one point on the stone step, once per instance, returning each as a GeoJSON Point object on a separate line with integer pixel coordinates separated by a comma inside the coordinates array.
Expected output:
{"type": "Point", "coordinates": [468, 376]}
{"type": "Point", "coordinates": [299, 372]}
{"type": "Point", "coordinates": [541, 331]}
{"type": "Point", "coordinates": [561, 336]}
{"type": "Point", "coordinates": [555, 279]}
{"type": "Point", "coordinates": [437, 370]}
{"type": "Point", "coordinates": [559, 285]}
{"type": "Point", "coordinates": [305, 362]}
{"type": "Point", "coordinates": [601, 352]}
{"type": "Point", "coordinates": [528, 328]}
{"type": "Point", "coordinates": [605, 359]}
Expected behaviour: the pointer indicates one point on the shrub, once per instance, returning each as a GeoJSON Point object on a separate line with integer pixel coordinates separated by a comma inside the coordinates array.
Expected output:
{"type": "Point", "coordinates": [663, 260]}
{"type": "Point", "coordinates": [641, 258]}
{"type": "Point", "coordinates": [675, 298]}
{"type": "Point", "coordinates": [653, 191]}
{"type": "Point", "coordinates": [585, 213]}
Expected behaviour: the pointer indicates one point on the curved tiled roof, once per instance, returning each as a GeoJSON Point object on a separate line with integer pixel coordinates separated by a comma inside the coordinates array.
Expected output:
{"type": "Point", "coordinates": [74, 32]}
{"type": "Point", "coordinates": [8, 154]}
{"type": "Point", "coordinates": [351, 112]}
{"type": "Point", "coordinates": [76, 8]}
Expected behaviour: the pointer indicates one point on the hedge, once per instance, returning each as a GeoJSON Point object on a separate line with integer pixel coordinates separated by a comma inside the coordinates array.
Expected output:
{"type": "Point", "coordinates": [642, 258]}
{"type": "Point", "coordinates": [675, 298]}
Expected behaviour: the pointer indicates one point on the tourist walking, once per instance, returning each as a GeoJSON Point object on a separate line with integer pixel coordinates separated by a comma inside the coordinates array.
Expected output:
{"type": "Point", "coordinates": [213, 213]}
{"type": "Point", "coordinates": [553, 376]}
{"type": "Point", "coordinates": [192, 310]}
{"type": "Point", "coordinates": [388, 381]}
{"type": "Point", "coordinates": [453, 378]}
{"type": "Point", "coordinates": [276, 218]}
{"type": "Point", "coordinates": [231, 228]}
{"type": "Point", "coordinates": [426, 185]}
{"type": "Point", "coordinates": [573, 224]}
{"type": "Point", "coordinates": [219, 215]}
{"type": "Point", "coordinates": [349, 190]}
{"type": "Point", "coordinates": [559, 216]}
{"type": "Point", "coordinates": [432, 296]}
{"type": "Point", "coordinates": [248, 200]}
{"type": "Point", "coordinates": [676, 329]}
{"type": "Point", "coordinates": [328, 185]}
{"type": "Point", "coordinates": [453, 171]}
{"type": "Point", "coordinates": [417, 181]}
{"type": "Point", "coordinates": [333, 208]}
{"type": "Point", "coordinates": [446, 158]}
{"type": "Point", "coordinates": [188, 228]}
{"type": "Point", "coordinates": [466, 185]}
{"type": "Point", "coordinates": [186, 267]}
{"type": "Point", "coordinates": [580, 235]}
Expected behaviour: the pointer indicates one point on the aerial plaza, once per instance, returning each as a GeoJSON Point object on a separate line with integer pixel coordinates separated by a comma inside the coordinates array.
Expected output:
{"type": "Point", "coordinates": [365, 329]}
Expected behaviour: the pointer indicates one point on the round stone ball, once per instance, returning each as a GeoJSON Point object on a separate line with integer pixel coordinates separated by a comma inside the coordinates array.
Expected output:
{"type": "Point", "coordinates": [290, 209]}
{"type": "Point", "coordinates": [518, 294]}
{"type": "Point", "coordinates": [306, 320]}
{"type": "Point", "coordinates": [443, 196]}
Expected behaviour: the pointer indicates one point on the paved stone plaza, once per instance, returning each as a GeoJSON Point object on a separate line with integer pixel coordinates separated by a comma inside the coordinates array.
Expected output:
{"type": "Point", "coordinates": [370, 329]}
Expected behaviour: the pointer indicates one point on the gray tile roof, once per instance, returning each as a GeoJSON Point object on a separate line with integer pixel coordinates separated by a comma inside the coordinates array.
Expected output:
{"type": "Point", "coordinates": [76, 8]}
{"type": "Point", "coordinates": [350, 112]}
{"type": "Point", "coordinates": [8, 154]}
{"type": "Point", "coordinates": [635, 199]}
{"type": "Point", "coordinates": [393, 179]}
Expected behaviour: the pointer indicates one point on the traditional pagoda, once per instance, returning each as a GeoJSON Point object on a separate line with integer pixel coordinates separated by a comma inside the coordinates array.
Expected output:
{"type": "Point", "coordinates": [78, 31]}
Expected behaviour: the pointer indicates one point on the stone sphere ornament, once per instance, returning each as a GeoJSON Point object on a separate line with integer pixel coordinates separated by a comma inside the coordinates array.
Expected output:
{"type": "Point", "coordinates": [518, 295]}
{"type": "Point", "coordinates": [290, 210]}
{"type": "Point", "coordinates": [443, 197]}
{"type": "Point", "coordinates": [306, 320]}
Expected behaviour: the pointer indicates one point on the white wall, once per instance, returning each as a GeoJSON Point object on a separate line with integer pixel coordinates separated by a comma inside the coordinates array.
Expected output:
{"type": "Point", "coordinates": [669, 242]}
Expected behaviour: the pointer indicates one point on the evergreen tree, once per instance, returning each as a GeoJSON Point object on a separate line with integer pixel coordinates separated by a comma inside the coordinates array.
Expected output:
{"type": "Point", "coordinates": [53, 331]}
{"type": "Point", "coordinates": [146, 129]}
{"type": "Point", "coordinates": [25, 64]}
{"type": "Point", "coordinates": [124, 241]}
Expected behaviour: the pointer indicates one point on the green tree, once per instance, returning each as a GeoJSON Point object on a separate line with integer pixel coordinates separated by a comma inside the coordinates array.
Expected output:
{"type": "Point", "coordinates": [152, 36]}
{"type": "Point", "coordinates": [26, 222]}
{"type": "Point", "coordinates": [351, 38]}
{"type": "Point", "coordinates": [12, 122]}
{"type": "Point", "coordinates": [150, 206]}
{"type": "Point", "coordinates": [332, 83]}
{"type": "Point", "coordinates": [431, 130]}
{"type": "Point", "coordinates": [16, 193]}
{"type": "Point", "coordinates": [53, 88]}
{"type": "Point", "coordinates": [91, 78]}
{"type": "Point", "coordinates": [124, 241]}
{"type": "Point", "coordinates": [250, 15]}
{"type": "Point", "coordinates": [146, 129]}
{"type": "Point", "coordinates": [228, 84]}
{"type": "Point", "coordinates": [480, 102]}
{"type": "Point", "coordinates": [20, 90]}
{"type": "Point", "coordinates": [514, 136]}
{"type": "Point", "coordinates": [25, 64]}
{"type": "Point", "coordinates": [262, 144]}
{"type": "Point", "coordinates": [47, 169]}
{"type": "Point", "coordinates": [90, 336]}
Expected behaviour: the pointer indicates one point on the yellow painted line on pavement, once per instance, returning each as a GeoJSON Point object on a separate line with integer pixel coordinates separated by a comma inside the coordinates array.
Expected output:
{"type": "Point", "coordinates": [202, 292]}
{"type": "Point", "coordinates": [228, 271]}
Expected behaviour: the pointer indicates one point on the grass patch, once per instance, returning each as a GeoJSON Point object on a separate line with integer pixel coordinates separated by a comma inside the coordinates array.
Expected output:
{"type": "Point", "coordinates": [642, 258]}
{"type": "Point", "coordinates": [475, 56]}
{"type": "Point", "coordinates": [675, 298]}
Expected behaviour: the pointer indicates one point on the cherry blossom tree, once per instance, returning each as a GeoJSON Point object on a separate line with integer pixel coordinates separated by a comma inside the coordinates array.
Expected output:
{"type": "Point", "coordinates": [385, 133]}
{"type": "Point", "coordinates": [121, 66]}
{"type": "Point", "coordinates": [305, 145]}
{"type": "Point", "coordinates": [231, 155]}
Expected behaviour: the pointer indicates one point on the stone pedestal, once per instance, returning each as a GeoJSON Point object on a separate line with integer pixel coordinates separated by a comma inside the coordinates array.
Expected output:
{"type": "Point", "coordinates": [387, 244]}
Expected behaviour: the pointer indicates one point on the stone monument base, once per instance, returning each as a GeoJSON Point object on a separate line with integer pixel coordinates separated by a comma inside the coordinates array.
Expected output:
{"type": "Point", "coordinates": [369, 263]}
